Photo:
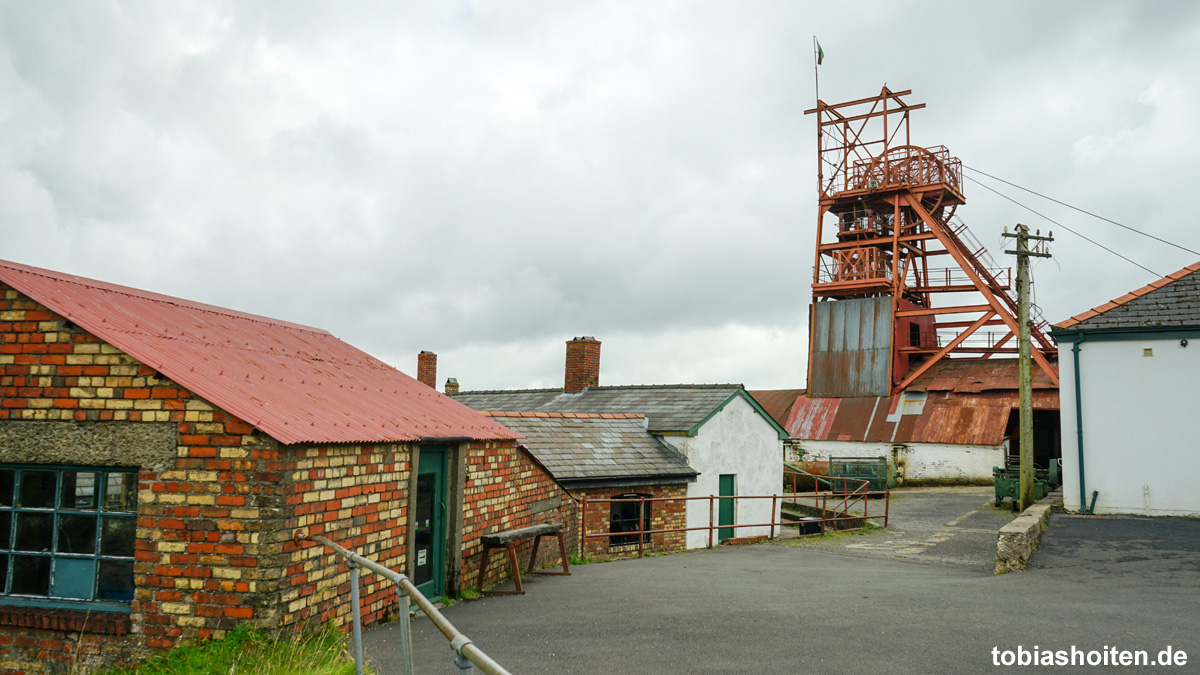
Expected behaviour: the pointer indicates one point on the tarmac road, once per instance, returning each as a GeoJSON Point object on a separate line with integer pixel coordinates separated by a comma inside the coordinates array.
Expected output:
{"type": "Point", "coordinates": [773, 608]}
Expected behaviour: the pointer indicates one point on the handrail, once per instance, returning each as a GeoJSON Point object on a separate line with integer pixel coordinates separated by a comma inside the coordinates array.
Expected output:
{"type": "Point", "coordinates": [465, 651]}
{"type": "Point", "coordinates": [841, 512]}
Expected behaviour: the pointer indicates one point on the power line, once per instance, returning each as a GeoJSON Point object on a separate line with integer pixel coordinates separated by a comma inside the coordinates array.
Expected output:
{"type": "Point", "coordinates": [1084, 211]}
{"type": "Point", "coordinates": [1081, 236]}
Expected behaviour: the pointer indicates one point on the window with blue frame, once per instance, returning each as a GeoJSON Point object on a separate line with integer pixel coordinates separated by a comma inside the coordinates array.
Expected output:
{"type": "Point", "coordinates": [67, 535]}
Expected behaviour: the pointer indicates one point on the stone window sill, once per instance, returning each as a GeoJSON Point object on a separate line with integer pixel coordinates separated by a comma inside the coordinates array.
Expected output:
{"type": "Point", "coordinates": [70, 620]}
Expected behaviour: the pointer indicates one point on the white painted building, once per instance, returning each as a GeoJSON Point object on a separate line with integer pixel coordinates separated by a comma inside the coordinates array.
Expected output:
{"type": "Point", "coordinates": [1130, 373]}
{"type": "Point", "coordinates": [740, 440]}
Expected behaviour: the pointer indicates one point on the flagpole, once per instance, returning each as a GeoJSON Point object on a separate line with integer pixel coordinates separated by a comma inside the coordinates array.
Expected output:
{"type": "Point", "coordinates": [816, 72]}
{"type": "Point", "coordinates": [817, 92]}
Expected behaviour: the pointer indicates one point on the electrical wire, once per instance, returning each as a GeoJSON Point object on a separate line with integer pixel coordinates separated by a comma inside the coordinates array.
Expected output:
{"type": "Point", "coordinates": [1078, 234]}
{"type": "Point", "coordinates": [1069, 206]}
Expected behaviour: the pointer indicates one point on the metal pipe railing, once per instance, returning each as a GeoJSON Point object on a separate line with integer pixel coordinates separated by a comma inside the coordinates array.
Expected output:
{"type": "Point", "coordinates": [466, 654]}
{"type": "Point", "coordinates": [841, 511]}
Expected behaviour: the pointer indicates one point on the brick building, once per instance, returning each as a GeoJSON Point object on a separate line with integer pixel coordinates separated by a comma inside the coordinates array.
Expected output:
{"type": "Point", "coordinates": [733, 445]}
{"type": "Point", "coordinates": [607, 457]}
{"type": "Point", "coordinates": [156, 456]}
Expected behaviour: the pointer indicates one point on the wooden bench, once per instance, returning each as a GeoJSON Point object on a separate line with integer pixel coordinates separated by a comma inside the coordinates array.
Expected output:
{"type": "Point", "coordinates": [508, 540]}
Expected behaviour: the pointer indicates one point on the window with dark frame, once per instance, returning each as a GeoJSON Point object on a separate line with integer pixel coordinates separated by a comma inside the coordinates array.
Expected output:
{"type": "Point", "coordinates": [67, 535]}
{"type": "Point", "coordinates": [623, 517]}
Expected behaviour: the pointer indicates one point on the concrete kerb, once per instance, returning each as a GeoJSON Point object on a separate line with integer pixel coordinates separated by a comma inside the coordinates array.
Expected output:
{"type": "Point", "coordinates": [1016, 540]}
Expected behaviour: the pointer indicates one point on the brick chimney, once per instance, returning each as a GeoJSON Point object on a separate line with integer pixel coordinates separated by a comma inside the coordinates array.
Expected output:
{"type": "Point", "coordinates": [451, 386]}
{"type": "Point", "coordinates": [427, 369]}
{"type": "Point", "coordinates": [583, 364]}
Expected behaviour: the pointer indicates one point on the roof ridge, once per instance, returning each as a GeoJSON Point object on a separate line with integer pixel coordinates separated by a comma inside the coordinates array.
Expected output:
{"type": "Point", "coordinates": [153, 297]}
{"type": "Point", "coordinates": [670, 386]}
{"type": "Point", "coordinates": [505, 391]}
{"type": "Point", "coordinates": [563, 415]}
{"type": "Point", "coordinates": [729, 385]}
{"type": "Point", "coordinates": [1128, 297]}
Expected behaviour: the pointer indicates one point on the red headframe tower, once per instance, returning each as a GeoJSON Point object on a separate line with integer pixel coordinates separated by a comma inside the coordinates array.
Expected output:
{"type": "Point", "coordinates": [888, 245]}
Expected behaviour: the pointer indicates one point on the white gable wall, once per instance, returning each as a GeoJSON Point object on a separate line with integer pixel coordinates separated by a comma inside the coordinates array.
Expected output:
{"type": "Point", "coordinates": [1141, 426]}
{"type": "Point", "coordinates": [740, 441]}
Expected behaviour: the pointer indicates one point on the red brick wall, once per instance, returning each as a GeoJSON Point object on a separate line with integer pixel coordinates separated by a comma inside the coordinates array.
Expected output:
{"type": "Point", "coordinates": [207, 521]}
{"type": "Point", "coordinates": [663, 515]}
{"type": "Point", "coordinates": [356, 495]}
{"type": "Point", "coordinates": [504, 486]}
{"type": "Point", "coordinates": [583, 365]}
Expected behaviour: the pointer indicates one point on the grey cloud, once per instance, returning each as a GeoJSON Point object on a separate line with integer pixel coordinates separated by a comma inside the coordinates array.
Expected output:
{"type": "Point", "coordinates": [489, 179]}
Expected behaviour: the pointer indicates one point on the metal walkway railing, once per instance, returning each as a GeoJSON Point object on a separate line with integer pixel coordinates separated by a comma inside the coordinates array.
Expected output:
{"type": "Point", "coordinates": [466, 655]}
{"type": "Point", "coordinates": [852, 492]}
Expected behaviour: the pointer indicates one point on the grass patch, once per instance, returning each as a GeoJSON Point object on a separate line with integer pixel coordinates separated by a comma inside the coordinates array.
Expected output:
{"type": "Point", "coordinates": [469, 593]}
{"type": "Point", "coordinates": [247, 651]}
{"type": "Point", "coordinates": [584, 560]}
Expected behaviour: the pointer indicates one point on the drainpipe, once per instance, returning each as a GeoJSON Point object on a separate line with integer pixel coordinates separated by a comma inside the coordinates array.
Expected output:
{"type": "Point", "coordinates": [1079, 427]}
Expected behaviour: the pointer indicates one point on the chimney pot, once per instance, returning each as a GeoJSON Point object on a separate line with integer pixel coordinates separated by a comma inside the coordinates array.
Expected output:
{"type": "Point", "coordinates": [452, 385]}
{"type": "Point", "coordinates": [427, 369]}
{"type": "Point", "coordinates": [583, 364]}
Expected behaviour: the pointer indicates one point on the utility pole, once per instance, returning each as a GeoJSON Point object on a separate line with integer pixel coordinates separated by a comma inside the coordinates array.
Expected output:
{"type": "Point", "coordinates": [1025, 363]}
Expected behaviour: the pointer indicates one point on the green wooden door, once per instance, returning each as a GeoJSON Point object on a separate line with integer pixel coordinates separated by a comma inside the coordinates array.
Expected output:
{"type": "Point", "coordinates": [429, 549]}
{"type": "Point", "coordinates": [726, 488]}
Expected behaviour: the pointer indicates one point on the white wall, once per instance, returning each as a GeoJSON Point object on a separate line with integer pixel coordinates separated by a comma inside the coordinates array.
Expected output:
{"type": "Point", "coordinates": [1141, 424]}
{"type": "Point", "coordinates": [932, 462]}
{"type": "Point", "coordinates": [739, 441]}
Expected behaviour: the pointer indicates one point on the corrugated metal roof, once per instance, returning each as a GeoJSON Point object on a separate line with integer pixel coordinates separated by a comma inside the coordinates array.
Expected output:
{"type": "Point", "coordinates": [777, 402]}
{"type": "Point", "coordinates": [1173, 300]}
{"type": "Point", "coordinates": [967, 419]}
{"type": "Point", "coordinates": [960, 401]}
{"type": "Point", "coordinates": [296, 383]}
{"type": "Point", "coordinates": [589, 447]}
{"type": "Point", "coordinates": [976, 375]}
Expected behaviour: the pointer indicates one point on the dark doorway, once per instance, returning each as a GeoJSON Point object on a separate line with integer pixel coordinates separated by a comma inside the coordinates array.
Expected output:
{"type": "Point", "coordinates": [1047, 437]}
{"type": "Point", "coordinates": [429, 548]}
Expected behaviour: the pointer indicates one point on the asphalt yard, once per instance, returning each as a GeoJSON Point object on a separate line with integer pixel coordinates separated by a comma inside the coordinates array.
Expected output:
{"type": "Point", "coordinates": [952, 525]}
{"type": "Point", "coordinates": [917, 599]}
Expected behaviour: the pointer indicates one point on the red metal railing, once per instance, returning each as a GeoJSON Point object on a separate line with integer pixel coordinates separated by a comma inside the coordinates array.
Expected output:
{"type": "Point", "coordinates": [853, 491]}
{"type": "Point", "coordinates": [905, 165]}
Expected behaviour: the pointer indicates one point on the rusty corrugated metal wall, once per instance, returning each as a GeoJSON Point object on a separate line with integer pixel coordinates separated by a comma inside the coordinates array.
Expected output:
{"type": "Point", "coordinates": [851, 348]}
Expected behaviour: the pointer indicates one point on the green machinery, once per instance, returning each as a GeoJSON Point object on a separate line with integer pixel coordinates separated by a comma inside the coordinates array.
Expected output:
{"type": "Point", "coordinates": [1007, 480]}
{"type": "Point", "coordinates": [875, 470]}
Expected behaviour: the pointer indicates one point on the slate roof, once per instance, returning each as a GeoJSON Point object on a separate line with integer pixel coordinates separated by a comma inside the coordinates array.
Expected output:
{"type": "Point", "coordinates": [296, 383]}
{"type": "Point", "coordinates": [668, 408]}
{"type": "Point", "coordinates": [1171, 301]}
{"type": "Point", "coordinates": [579, 448]}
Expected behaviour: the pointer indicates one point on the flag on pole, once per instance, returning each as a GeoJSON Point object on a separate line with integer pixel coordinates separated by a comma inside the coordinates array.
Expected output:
{"type": "Point", "coordinates": [820, 53]}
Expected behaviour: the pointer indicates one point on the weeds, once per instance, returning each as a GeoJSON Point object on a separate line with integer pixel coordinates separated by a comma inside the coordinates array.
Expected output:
{"type": "Point", "coordinates": [247, 651]}
{"type": "Point", "coordinates": [469, 593]}
{"type": "Point", "coordinates": [584, 560]}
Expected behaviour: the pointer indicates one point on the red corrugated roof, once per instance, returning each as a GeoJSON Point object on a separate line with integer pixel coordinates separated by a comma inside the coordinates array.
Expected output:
{"type": "Point", "coordinates": [960, 401]}
{"type": "Point", "coordinates": [777, 402]}
{"type": "Point", "coordinates": [296, 383]}
{"type": "Point", "coordinates": [1117, 302]}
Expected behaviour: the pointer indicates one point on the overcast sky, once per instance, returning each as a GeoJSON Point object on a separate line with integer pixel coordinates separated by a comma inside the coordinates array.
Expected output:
{"type": "Point", "coordinates": [487, 180]}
